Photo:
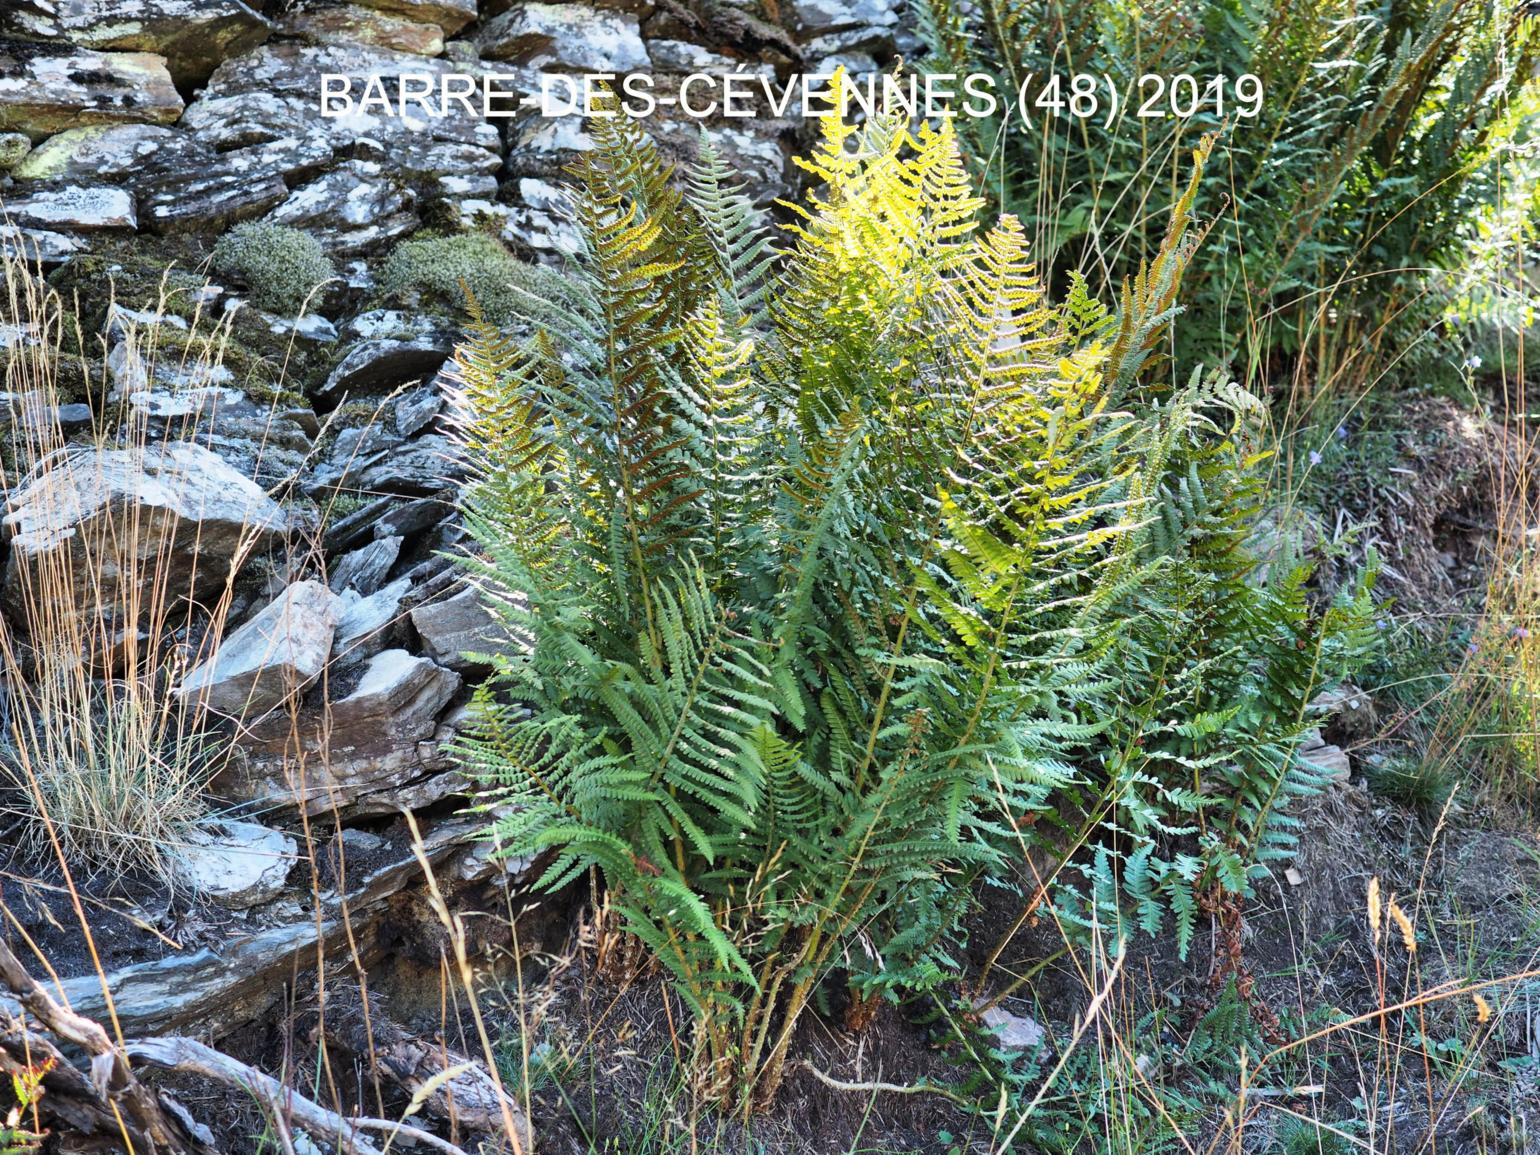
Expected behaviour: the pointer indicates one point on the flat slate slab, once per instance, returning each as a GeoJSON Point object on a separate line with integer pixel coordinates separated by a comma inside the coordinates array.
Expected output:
{"type": "Point", "coordinates": [46, 89]}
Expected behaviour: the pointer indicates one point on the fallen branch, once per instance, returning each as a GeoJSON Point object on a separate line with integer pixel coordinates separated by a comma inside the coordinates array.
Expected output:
{"type": "Point", "coordinates": [190, 1056]}
{"type": "Point", "coordinates": [442, 1083]}
{"type": "Point", "coordinates": [886, 1088]}
{"type": "Point", "coordinates": [145, 1126]}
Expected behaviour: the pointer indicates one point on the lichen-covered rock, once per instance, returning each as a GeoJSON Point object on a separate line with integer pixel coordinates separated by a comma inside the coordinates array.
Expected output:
{"type": "Point", "coordinates": [270, 660]}
{"type": "Point", "coordinates": [46, 89]}
{"type": "Point", "coordinates": [353, 209]}
{"type": "Point", "coordinates": [326, 23]}
{"type": "Point", "coordinates": [14, 147]}
{"type": "Point", "coordinates": [212, 199]}
{"type": "Point", "coordinates": [192, 519]}
{"type": "Point", "coordinates": [450, 15]}
{"type": "Point", "coordinates": [181, 182]}
{"type": "Point", "coordinates": [572, 37]}
{"type": "Point", "coordinates": [279, 85]}
{"type": "Point", "coordinates": [813, 17]}
{"type": "Point", "coordinates": [109, 152]}
{"type": "Point", "coordinates": [78, 208]}
{"type": "Point", "coordinates": [192, 35]}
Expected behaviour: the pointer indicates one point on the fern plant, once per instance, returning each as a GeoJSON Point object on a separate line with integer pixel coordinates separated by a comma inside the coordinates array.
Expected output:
{"type": "Point", "coordinates": [1382, 138]}
{"type": "Point", "coordinates": [826, 553]}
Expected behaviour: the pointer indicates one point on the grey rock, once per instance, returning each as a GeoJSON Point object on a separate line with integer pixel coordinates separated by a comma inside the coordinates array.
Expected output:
{"type": "Point", "coordinates": [417, 409]}
{"type": "Point", "coordinates": [195, 516]}
{"type": "Point", "coordinates": [211, 200]}
{"type": "Point", "coordinates": [400, 696]}
{"type": "Point", "coordinates": [260, 440]}
{"type": "Point", "coordinates": [361, 841]}
{"type": "Point", "coordinates": [192, 35]}
{"type": "Point", "coordinates": [312, 329]}
{"type": "Point", "coordinates": [365, 625]}
{"type": "Point", "coordinates": [450, 15]}
{"type": "Point", "coordinates": [33, 410]}
{"type": "Point", "coordinates": [236, 864]}
{"type": "Point", "coordinates": [362, 442]}
{"type": "Point", "coordinates": [361, 755]}
{"type": "Point", "coordinates": [241, 119]}
{"type": "Point", "coordinates": [1333, 761]}
{"type": "Point", "coordinates": [271, 659]}
{"type": "Point", "coordinates": [277, 86]}
{"type": "Point", "coordinates": [48, 89]}
{"type": "Point", "coordinates": [378, 323]}
{"type": "Point", "coordinates": [82, 208]}
{"type": "Point", "coordinates": [348, 530]}
{"type": "Point", "coordinates": [123, 321]}
{"type": "Point", "coordinates": [751, 149]}
{"type": "Point", "coordinates": [813, 17]}
{"type": "Point", "coordinates": [1015, 1032]}
{"type": "Point", "coordinates": [38, 246]}
{"type": "Point", "coordinates": [352, 209]}
{"type": "Point", "coordinates": [364, 570]}
{"type": "Point", "coordinates": [854, 63]}
{"type": "Point", "coordinates": [455, 188]}
{"type": "Point", "coordinates": [572, 37]}
{"type": "Point", "coordinates": [219, 990]}
{"type": "Point", "coordinates": [458, 625]}
{"type": "Point", "coordinates": [546, 234]}
{"type": "Point", "coordinates": [681, 56]}
{"type": "Point", "coordinates": [383, 363]}
{"type": "Point", "coordinates": [419, 468]}
{"type": "Point", "coordinates": [409, 517]}
{"type": "Point", "coordinates": [424, 159]}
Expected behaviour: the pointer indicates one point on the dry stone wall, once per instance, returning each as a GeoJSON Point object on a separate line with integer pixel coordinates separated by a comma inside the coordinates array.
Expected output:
{"type": "Point", "coordinates": [134, 133]}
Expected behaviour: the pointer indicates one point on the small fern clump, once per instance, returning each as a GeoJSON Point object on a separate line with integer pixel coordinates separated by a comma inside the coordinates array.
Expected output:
{"type": "Point", "coordinates": [834, 561]}
{"type": "Point", "coordinates": [283, 267]}
{"type": "Point", "coordinates": [1366, 152]}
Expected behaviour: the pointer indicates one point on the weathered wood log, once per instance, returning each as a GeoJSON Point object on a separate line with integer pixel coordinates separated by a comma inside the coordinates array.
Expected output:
{"type": "Point", "coordinates": [443, 1083]}
{"type": "Point", "coordinates": [192, 1057]}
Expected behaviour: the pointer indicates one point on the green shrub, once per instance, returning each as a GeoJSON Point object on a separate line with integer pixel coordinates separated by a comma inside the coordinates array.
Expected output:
{"type": "Point", "coordinates": [842, 572]}
{"type": "Point", "coordinates": [1345, 213]}
{"type": "Point", "coordinates": [281, 266]}
{"type": "Point", "coordinates": [438, 270]}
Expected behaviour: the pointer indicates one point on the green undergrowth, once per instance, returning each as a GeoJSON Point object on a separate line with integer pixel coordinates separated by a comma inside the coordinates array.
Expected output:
{"type": "Point", "coordinates": [856, 570]}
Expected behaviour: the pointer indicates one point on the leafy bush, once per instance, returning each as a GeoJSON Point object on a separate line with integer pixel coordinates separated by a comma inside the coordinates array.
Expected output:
{"type": "Point", "coordinates": [1342, 212]}
{"type": "Point", "coordinates": [441, 269]}
{"type": "Point", "coordinates": [281, 266]}
{"type": "Point", "coordinates": [845, 566]}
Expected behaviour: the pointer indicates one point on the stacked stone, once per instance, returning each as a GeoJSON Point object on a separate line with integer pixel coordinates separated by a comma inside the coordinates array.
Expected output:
{"type": "Point", "coordinates": [127, 124]}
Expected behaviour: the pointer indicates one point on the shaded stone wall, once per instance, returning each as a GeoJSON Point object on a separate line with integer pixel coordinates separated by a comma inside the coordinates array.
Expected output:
{"type": "Point", "coordinates": [133, 133]}
{"type": "Point", "coordinates": [185, 116]}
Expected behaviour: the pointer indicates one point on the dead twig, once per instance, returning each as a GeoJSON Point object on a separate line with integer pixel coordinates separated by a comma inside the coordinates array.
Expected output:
{"type": "Point", "coordinates": [111, 1074]}
{"type": "Point", "coordinates": [190, 1056]}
